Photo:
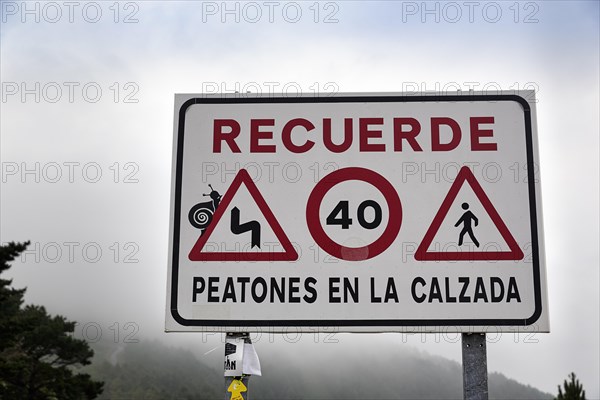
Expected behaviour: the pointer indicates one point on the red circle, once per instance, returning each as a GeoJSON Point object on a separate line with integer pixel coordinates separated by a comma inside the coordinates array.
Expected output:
{"type": "Point", "coordinates": [354, 253]}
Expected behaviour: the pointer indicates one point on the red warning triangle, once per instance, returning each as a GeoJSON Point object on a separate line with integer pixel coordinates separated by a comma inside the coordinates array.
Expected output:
{"type": "Point", "coordinates": [465, 175]}
{"type": "Point", "coordinates": [288, 253]}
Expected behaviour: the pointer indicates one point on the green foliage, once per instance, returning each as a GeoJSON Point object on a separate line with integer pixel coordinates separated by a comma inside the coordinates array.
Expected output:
{"type": "Point", "coordinates": [10, 299]}
{"type": "Point", "coordinates": [37, 356]}
{"type": "Point", "coordinates": [573, 389]}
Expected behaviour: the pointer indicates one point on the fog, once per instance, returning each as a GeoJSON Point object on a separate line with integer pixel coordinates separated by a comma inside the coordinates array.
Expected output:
{"type": "Point", "coordinates": [87, 132]}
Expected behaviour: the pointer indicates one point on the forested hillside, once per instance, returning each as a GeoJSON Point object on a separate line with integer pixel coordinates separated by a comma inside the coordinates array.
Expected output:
{"type": "Point", "coordinates": [151, 370]}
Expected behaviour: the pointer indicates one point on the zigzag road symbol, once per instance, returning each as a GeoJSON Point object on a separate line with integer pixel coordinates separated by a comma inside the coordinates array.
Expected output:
{"type": "Point", "coordinates": [237, 228]}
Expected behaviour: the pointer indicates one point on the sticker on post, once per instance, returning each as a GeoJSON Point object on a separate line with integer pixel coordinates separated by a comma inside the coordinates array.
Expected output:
{"type": "Point", "coordinates": [234, 354]}
{"type": "Point", "coordinates": [236, 388]}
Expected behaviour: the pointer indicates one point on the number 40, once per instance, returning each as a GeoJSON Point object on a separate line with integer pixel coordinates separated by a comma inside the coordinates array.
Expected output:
{"type": "Point", "coordinates": [340, 215]}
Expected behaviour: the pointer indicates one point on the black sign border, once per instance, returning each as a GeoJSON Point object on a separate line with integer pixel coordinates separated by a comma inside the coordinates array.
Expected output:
{"type": "Point", "coordinates": [358, 322]}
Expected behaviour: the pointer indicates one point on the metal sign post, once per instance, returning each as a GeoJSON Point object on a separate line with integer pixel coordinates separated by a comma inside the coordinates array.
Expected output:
{"type": "Point", "coordinates": [237, 369]}
{"type": "Point", "coordinates": [474, 361]}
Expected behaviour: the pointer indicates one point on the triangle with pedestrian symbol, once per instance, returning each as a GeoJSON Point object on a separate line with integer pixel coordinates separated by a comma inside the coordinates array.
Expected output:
{"type": "Point", "coordinates": [465, 176]}
{"type": "Point", "coordinates": [243, 228]}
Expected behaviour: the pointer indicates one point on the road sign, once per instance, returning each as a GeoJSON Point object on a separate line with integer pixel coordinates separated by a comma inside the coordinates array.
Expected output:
{"type": "Point", "coordinates": [254, 227]}
{"type": "Point", "coordinates": [359, 213]}
{"type": "Point", "coordinates": [466, 176]}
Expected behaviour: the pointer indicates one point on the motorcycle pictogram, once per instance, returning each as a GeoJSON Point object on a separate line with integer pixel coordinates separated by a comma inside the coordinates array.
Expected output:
{"type": "Point", "coordinates": [201, 214]}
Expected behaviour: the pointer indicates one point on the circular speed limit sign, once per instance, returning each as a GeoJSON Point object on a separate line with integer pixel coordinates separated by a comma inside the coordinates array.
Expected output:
{"type": "Point", "coordinates": [376, 216]}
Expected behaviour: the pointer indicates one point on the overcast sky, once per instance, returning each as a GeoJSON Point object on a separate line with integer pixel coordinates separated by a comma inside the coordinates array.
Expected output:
{"type": "Point", "coordinates": [87, 129]}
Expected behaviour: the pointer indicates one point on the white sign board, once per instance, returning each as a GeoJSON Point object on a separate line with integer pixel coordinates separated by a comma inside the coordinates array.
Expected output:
{"type": "Point", "coordinates": [357, 213]}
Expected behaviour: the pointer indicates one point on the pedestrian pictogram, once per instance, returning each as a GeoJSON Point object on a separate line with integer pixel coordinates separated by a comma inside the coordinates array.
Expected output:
{"type": "Point", "coordinates": [238, 228]}
{"type": "Point", "coordinates": [468, 218]}
{"type": "Point", "coordinates": [465, 220]}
